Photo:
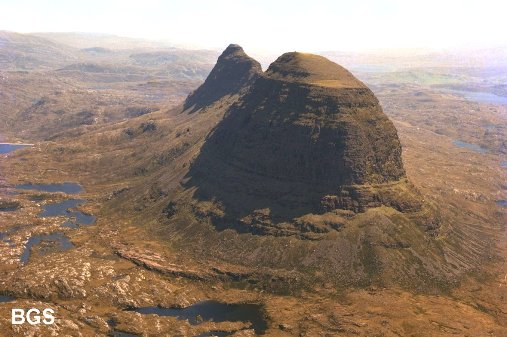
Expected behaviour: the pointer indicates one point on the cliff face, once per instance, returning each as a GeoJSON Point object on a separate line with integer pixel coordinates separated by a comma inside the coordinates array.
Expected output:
{"type": "Point", "coordinates": [233, 71]}
{"type": "Point", "coordinates": [309, 120]}
{"type": "Point", "coordinates": [306, 137]}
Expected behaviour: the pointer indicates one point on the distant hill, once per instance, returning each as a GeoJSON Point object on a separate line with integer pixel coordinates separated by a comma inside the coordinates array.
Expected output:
{"type": "Point", "coordinates": [384, 60]}
{"type": "Point", "coordinates": [53, 82]}
{"type": "Point", "coordinates": [101, 53]}
{"type": "Point", "coordinates": [28, 52]}
{"type": "Point", "coordinates": [93, 40]}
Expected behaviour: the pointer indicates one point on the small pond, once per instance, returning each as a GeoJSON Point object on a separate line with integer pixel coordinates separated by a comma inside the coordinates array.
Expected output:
{"type": "Point", "coordinates": [215, 311]}
{"type": "Point", "coordinates": [9, 207]}
{"type": "Point", "coordinates": [7, 147]}
{"type": "Point", "coordinates": [469, 146]}
{"type": "Point", "coordinates": [4, 299]}
{"type": "Point", "coordinates": [63, 208]}
{"type": "Point", "coordinates": [501, 203]}
{"type": "Point", "coordinates": [57, 242]}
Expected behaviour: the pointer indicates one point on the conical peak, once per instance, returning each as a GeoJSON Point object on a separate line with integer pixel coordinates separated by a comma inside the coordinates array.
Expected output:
{"type": "Point", "coordinates": [235, 53]}
{"type": "Point", "coordinates": [233, 46]}
{"type": "Point", "coordinates": [312, 69]}
{"type": "Point", "coordinates": [234, 58]}
{"type": "Point", "coordinates": [233, 72]}
{"type": "Point", "coordinates": [233, 49]}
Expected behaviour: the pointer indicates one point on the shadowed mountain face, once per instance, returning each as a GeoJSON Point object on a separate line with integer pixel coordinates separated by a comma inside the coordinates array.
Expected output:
{"type": "Point", "coordinates": [307, 137]}
{"type": "Point", "coordinates": [291, 129]}
{"type": "Point", "coordinates": [234, 70]}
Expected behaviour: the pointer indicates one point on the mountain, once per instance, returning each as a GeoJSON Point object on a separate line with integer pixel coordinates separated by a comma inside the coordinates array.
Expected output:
{"type": "Point", "coordinates": [295, 168]}
{"type": "Point", "coordinates": [307, 138]}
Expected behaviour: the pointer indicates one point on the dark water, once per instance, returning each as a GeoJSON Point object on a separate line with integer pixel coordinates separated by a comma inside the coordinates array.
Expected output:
{"type": "Point", "coordinates": [472, 147]}
{"type": "Point", "coordinates": [215, 311]}
{"type": "Point", "coordinates": [6, 148]}
{"type": "Point", "coordinates": [63, 208]}
{"type": "Point", "coordinates": [8, 208]}
{"type": "Point", "coordinates": [69, 188]}
{"type": "Point", "coordinates": [504, 164]}
{"type": "Point", "coordinates": [501, 203]}
{"type": "Point", "coordinates": [59, 243]}
{"type": "Point", "coordinates": [4, 299]}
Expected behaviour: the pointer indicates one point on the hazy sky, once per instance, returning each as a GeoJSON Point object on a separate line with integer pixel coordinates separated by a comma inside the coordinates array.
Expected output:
{"type": "Point", "coordinates": [271, 25]}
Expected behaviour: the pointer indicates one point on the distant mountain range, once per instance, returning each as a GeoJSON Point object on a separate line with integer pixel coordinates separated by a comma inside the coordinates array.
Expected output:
{"type": "Point", "coordinates": [43, 51]}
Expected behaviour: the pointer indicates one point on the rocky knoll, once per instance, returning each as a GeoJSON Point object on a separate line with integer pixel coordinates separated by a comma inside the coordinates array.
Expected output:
{"type": "Point", "coordinates": [306, 138]}
{"type": "Point", "coordinates": [234, 70]}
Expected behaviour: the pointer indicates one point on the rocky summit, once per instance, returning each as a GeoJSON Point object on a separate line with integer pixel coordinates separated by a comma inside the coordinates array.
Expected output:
{"type": "Point", "coordinates": [234, 70]}
{"type": "Point", "coordinates": [305, 137]}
